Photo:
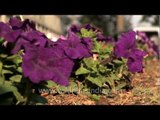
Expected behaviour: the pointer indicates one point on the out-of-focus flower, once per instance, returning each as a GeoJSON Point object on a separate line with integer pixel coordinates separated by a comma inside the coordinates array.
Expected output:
{"type": "Point", "coordinates": [126, 47]}
{"type": "Point", "coordinates": [73, 47]}
{"type": "Point", "coordinates": [33, 37]}
{"type": "Point", "coordinates": [135, 61]}
{"type": "Point", "coordinates": [125, 44]}
{"type": "Point", "coordinates": [40, 64]}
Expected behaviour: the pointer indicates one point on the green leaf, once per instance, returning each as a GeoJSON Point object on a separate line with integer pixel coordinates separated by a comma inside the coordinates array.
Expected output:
{"type": "Point", "coordinates": [1, 80]}
{"type": "Point", "coordinates": [110, 81]}
{"type": "Point", "coordinates": [11, 58]}
{"type": "Point", "coordinates": [8, 83]}
{"type": "Point", "coordinates": [97, 46]}
{"type": "Point", "coordinates": [95, 97]}
{"type": "Point", "coordinates": [86, 91]}
{"type": "Point", "coordinates": [1, 40]}
{"type": "Point", "coordinates": [3, 55]}
{"type": "Point", "coordinates": [18, 96]}
{"type": "Point", "coordinates": [1, 66]}
{"type": "Point", "coordinates": [114, 76]}
{"type": "Point", "coordinates": [4, 71]}
{"type": "Point", "coordinates": [83, 31]}
{"type": "Point", "coordinates": [104, 56]}
{"type": "Point", "coordinates": [19, 69]}
{"type": "Point", "coordinates": [108, 70]}
{"type": "Point", "coordinates": [38, 99]}
{"type": "Point", "coordinates": [118, 62]}
{"type": "Point", "coordinates": [105, 91]}
{"type": "Point", "coordinates": [81, 71]}
{"type": "Point", "coordinates": [15, 91]}
{"type": "Point", "coordinates": [9, 88]}
{"type": "Point", "coordinates": [102, 69]}
{"type": "Point", "coordinates": [95, 80]}
{"type": "Point", "coordinates": [62, 89]}
{"type": "Point", "coordinates": [9, 66]}
{"type": "Point", "coordinates": [73, 87]}
{"type": "Point", "coordinates": [15, 58]}
{"type": "Point", "coordinates": [91, 64]}
{"type": "Point", "coordinates": [86, 33]}
{"type": "Point", "coordinates": [51, 84]}
{"type": "Point", "coordinates": [16, 78]}
{"type": "Point", "coordinates": [120, 86]}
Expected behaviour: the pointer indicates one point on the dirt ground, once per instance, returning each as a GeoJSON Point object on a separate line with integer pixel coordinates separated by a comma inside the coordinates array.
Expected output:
{"type": "Point", "coordinates": [146, 88]}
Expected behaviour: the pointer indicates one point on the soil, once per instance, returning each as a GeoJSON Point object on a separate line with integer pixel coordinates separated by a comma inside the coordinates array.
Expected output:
{"type": "Point", "coordinates": [146, 88]}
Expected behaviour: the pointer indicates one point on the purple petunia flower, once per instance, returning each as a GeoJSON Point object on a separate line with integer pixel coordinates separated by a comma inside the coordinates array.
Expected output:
{"type": "Point", "coordinates": [41, 64]}
{"type": "Point", "coordinates": [90, 27]}
{"type": "Point", "coordinates": [88, 42]}
{"type": "Point", "coordinates": [73, 47]}
{"type": "Point", "coordinates": [126, 47]}
{"type": "Point", "coordinates": [33, 37]}
{"type": "Point", "coordinates": [26, 25]}
{"type": "Point", "coordinates": [7, 33]}
{"type": "Point", "coordinates": [143, 37]}
{"type": "Point", "coordinates": [4, 29]}
{"type": "Point", "coordinates": [15, 28]}
{"type": "Point", "coordinates": [135, 61]}
{"type": "Point", "coordinates": [75, 28]}
{"type": "Point", "coordinates": [101, 37]}
{"type": "Point", "coordinates": [134, 65]}
{"type": "Point", "coordinates": [125, 44]}
{"type": "Point", "coordinates": [152, 47]}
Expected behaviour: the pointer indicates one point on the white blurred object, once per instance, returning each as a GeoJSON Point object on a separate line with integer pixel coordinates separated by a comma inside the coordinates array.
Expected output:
{"type": "Point", "coordinates": [21, 17]}
{"type": "Point", "coordinates": [52, 37]}
{"type": "Point", "coordinates": [135, 20]}
{"type": "Point", "coordinates": [49, 35]}
{"type": "Point", "coordinates": [147, 29]}
{"type": "Point", "coordinates": [3, 18]}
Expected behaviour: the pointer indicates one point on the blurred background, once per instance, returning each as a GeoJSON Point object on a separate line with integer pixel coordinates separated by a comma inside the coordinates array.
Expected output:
{"type": "Point", "coordinates": [112, 25]}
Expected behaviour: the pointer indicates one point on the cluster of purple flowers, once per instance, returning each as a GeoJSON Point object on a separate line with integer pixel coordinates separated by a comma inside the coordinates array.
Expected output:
{"type": "Point", "coordinates": [44, 59]}
{"type": "Point", "coordinates": [152, 48]}
{"type": "Point", "coordinates": [126, 48]}
{"type": "Point", "coordinates": [75, 47]}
